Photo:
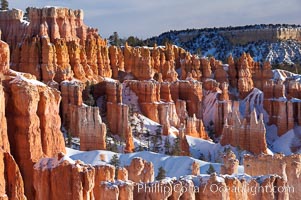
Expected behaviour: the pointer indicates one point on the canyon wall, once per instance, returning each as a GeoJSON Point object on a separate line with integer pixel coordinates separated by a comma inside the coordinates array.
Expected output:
{"type": "Point", "coordinates": [264, 34]}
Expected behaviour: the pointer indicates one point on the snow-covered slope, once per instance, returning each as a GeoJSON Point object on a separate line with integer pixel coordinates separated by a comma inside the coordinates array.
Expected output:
{"type": "Point", "coordinates": [207, 42]}
{"type": "Point", "coordinates": [175, 166]}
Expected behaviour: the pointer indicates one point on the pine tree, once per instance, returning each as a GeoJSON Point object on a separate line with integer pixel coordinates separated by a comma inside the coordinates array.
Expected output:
{"type": "Point", "coordinates": [115, 40]}
{"type": "Point", "coordinates": [210, 169]}
{"type": "Point", "coordinates": [115, 161]}
{"type": "Point", "coordinates": [4, 5]}
{"type": "Point", "coordinates": [161, 174]}
{"type": "Point", "coordinates": [176, 150]}
{"type": "Point", "coordinates": [167, 146]}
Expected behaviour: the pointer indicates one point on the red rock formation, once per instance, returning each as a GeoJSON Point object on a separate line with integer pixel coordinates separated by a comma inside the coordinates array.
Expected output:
{"type": "Point", "coordinates": [206, 191]}
{"type": "Point", "coordinates": [249, 136]}
{"type": "Point", "coordinates": [245, 82]}
{"type": "Point", "coordinates": [230, 165]}
{"type": "Point", "coordinates": [206, 69]}
{"type": "Point", "coordinates": [220, 74]}
{"type": "Point", "coordinates": [33, 125]}
{"type": "Point", "coordinates": [223, 109]}
{"type": "Point", "coordinates": [92, 132]}
{"type": "Point", "coordinates": [117, 114]}
{"type": "Point", "coordinates": [140, 170]}
{"type": "Point", "coordinates": [116, 60]}
{"type": "Point", "coordinates": [232, 72]}
{"type": "Point", "coordinates": [122, 174]}
{"type": "Point", "coordinates": [11, 182]}
{"type": "Point", "coordinates": [280, 110]}
{"type": "Point", "coordinates": [56, 178]}
{"type": "Point", "coordinates": [228, 187]}
{"type": "Point", "coordinates": [149, 191]}
{"type": "Point", "coordinates": [195, 127]}
{"type": "Point", "coordinates": [10, 24]}
{"type": "Point", "coordinates": [71, 92]}
{"type": "Point", "coordinates": [287, 167]}
{"type": "Point", "coordinates": [4, 56]}
{"type": "Point", "coordinates": [184, 146]}
{"type": "Point", "coordinates": [4, 143]}
{"type": "Point", "coordinates": [148, 93]}
{"type": "Point", "coordinates": [191, 92]}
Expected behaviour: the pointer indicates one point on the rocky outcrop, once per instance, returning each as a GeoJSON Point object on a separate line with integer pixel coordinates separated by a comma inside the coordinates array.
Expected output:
{"type": "Point", "coordinates": [57, 178]}
{"type": "Point", "coordinates": [33, 125]}
{"type": "Point", "coordinates": [71, 92]}
{"type": "Point", "coordinates": [245, 82]}
{"type": "Point", "coordinates": [92, 131]}
{"type": "Point", "coordinates": [230, 165]}
{"type": "Point", "coordinates": [248, 135]}
{"type": "Point", "coordinates": [287, 167]}
{"type": "Point", "coordinates": [4, 143]}
{"type": "Point", "coordinates": [48, 21]}
{"type": "Point", "coordinates": [140, 171]}
{"type": "Point", "coordinates": [11, 181]}
{"type": "Point", "coordinates": [228, 187]}
{"type": "Point", "coordinates": [4, 56]}
{"type": "Point", "coordinates": [283, 112]}
{"type": "Point", "coordinates": [118, 114]}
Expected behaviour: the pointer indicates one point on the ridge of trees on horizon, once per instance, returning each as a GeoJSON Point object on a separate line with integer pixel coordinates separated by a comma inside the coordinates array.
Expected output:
{"type": "Point", "coordinates": [4, 5]}
{"type": "Point", "coordinates": [115, 40]}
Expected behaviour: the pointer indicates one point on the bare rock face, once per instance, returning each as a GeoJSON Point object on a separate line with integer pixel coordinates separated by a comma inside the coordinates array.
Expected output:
{"type": "Point", "coordinates": [116, 60]}
{"type": "Point", "coordinates": [57, 23]}
{"type": "Point", "coordinates": [71, 92]}
{"type": "Point", "coordinates": [287, 167]}
{"type": "Point", "coordinates": [245, 82]}
{"type": "Point", "coordinates": [232, 72]}
{"type": "Point", "coordinates": [195, 127]}
{"type": "Point", "coordinates": [4, 143]}
{"type": "Point", "coordinates": [10, 24]}
{"type": "Point", "coordinates": [141, 171]}
{"type": "Point", "coordinates": [247, 135]}
{"type": "Point", "coordinates": [33, 125]}
{"type": "Point", "coordinates": [230, 165]}
{"type": "Point", "coordinates": [191, 92]}
{"type": "Point", "coordinates": [92, 131]}
{"type": "Point", "coordinates": [11, 181]}
{"type": "Point", "coordinates": [282, 113]}
{"type": "Point", "coordinates": [56, 178]}
{"type": "Point", "coordinates": [122, 174]}
{"type": "Point", "coordinates": [4, 56]}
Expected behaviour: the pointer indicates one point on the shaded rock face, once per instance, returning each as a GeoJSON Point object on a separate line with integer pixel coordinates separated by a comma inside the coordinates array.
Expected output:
{"type": "Point", "coordinates": [249, 136]}
{"type": "Point", "coordinates": [11, 181]}
{"type": "Point", "coordinates": [287, 167]}
{"type": "Point", "coordinates": [282, 110]}
{"type": "Point", "coordinates": [4, 143]}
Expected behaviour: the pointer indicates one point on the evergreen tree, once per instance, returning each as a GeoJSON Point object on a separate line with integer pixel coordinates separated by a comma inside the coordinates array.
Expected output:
{"type": "Point", "coordinates": [4, 5]}
{"type": "Point", "coordinates": [115, 40]}
{"type": "Point", "coordinates": [161, 174]}
{"type": "Point", "coordinates": [167, 146]}
{"type": "Point", "coordinates": [69, 140]}
{"type": "Point", "coordinates": [157, 139]}
{"type": "Point", "coordinates": [210, 169]}
{"type": "Point", "coordinates": [176, 150]}
{"type": "Point", "coordinates": [115, 161]}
